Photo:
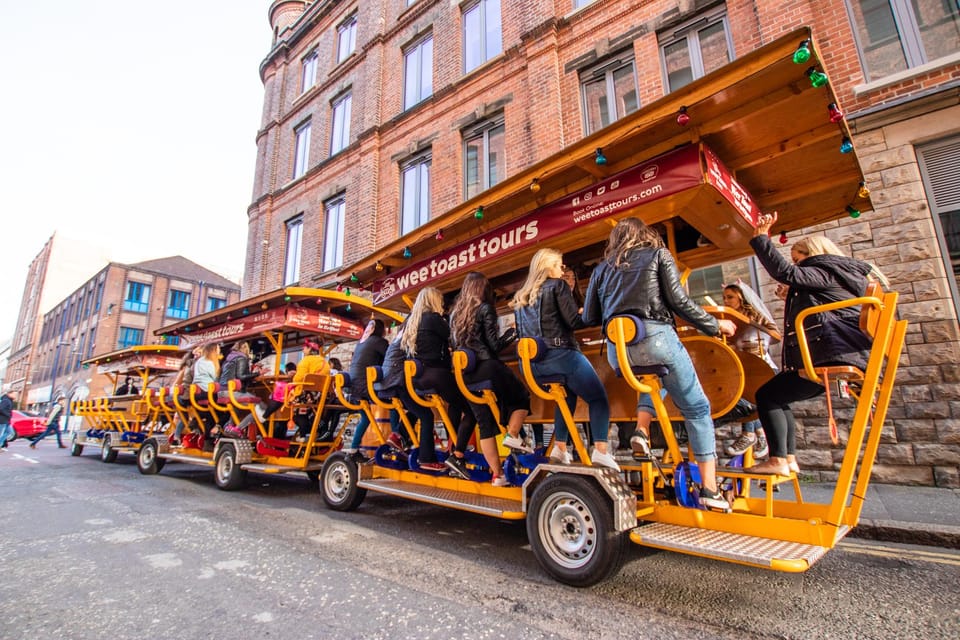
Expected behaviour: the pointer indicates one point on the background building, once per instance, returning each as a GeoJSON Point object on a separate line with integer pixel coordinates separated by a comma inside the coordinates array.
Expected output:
{"type": "Point", "coordinates": [379, 116]}
{"type": "Point", "coordinates": [119, 306]}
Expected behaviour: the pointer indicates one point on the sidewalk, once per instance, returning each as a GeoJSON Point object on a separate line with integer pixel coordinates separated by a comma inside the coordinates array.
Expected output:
{"type": "Point", "coordinates": [895, 513]}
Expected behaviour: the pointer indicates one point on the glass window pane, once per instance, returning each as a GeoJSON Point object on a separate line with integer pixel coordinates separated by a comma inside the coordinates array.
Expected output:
{"type": "Point", "coordinates": [626, 89]}
{"type": "Point", "coordinates": [883, 52]}
{"type": "Point", "coordinates": [410, 78]}
{"type": "Point", "coordinates": [473, 175]}
{"type": "Point", "coordinates": [676, 57]}
{"type": "Point", "coordinates": [939, 22]}
{"type": "Point", "coordinates": [497, 158]}
{"type": "Point", "coordinates": [595, 99]}
{"type": "Point", "coordinates": [494, 38]}
{"type": "Point", "coordinates": [408, 209]}
{"type": "Point", "coordinates": [424, 204]}
{"type": "Point", "coordinates": [472, 51]}
{"type": "Point", "coordinates": [426, 69]}
{"type": "Point", "coordinates": [713, 47]}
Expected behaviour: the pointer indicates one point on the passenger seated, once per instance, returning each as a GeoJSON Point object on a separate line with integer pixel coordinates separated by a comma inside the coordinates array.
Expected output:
{"type": "Point", "coordinates": [370, 352]}
{"type": "Point", "coordinates": [474, 326]}
{"type": "Point", "coordinates": [545, 308]}
{"type": "Point", "coordinates": [128, 388]}
{"type": "Point", "coordinates": [330, 419]}
{"type": "Point", "coordinates": [312, 363]}
{"type": "Point", "coordinates": [206, 371]}
{"type": "Point", "coordinates": [236, 366]}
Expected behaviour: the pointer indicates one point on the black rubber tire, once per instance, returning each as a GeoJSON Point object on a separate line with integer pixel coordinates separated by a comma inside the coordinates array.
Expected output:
{"type": "Point", "coordinates": [107, 453]}
{"type": "Point", "coordinates": [338, 483]}
{"type": "Point", "coordinates": [570, 529]}
{"type": "Point", "coordinates": [148, 462]}
{"type": "Point", "coordinates": [227, 473]}
{"type": "Point", "coordinates": [75, 448]}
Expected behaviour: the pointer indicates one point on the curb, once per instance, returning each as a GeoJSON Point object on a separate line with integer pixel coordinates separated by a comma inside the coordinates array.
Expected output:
{"type": "Point", "coordinates": [935, 535]}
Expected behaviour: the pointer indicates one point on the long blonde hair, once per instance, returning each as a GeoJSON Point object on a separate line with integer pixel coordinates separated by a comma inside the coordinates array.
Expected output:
{"type": "Point", "coordinates": [543, 261]}
{"type": "Point", "coordinates": [211, 352]}
{"type": "Point", "coordinates": [821, 245]}
{"type": "Point", "coordinates": [429, 299]}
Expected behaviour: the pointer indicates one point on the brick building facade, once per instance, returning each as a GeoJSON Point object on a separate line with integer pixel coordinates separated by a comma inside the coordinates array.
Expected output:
{"type": "Point", "coordinates": [380, 115]}
{"type": "Point", "coordinates": [121, 305]}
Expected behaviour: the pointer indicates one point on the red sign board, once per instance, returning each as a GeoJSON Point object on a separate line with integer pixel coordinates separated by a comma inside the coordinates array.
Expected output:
{"type": "Point", "coordinates": [726, 184]}
{"type": "Point", "coordinates": [271, 320]}
{"type": "Point", "coordinates": [322, 322]}
{"type": "Point", "coordinates": [662, 176]}
{"type": "Point", "coordinates": [141, 361]}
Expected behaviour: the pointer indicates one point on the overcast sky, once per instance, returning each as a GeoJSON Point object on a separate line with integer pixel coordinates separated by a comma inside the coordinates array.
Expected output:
{"type": "Point", "coordinates": [130, 122]}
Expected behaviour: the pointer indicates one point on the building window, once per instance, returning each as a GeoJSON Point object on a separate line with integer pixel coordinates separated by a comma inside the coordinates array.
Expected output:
{"type": "Point", "coordinates": [938, 168]}
{"type": "Point", "coordinates": [418, 72]}
{"type": "Point", "coordinates": [179, 305]}
{"type": "Point", "coordinates": [414, 193]}
{"type": "Point", "coordinates": [340, 128]}
{"type": "Point", "coordinates": [91, 342]}
{"type": "Point", "coordinates": [484, 157]}
{"type": "Point", "coordinates": [172, 340]}
{"type": "Point", "coordinates": [895, 35]}
{"type": "Point", "coordinates": [302, 159]}
{"type": "Point", "coordinates": [309, 71]}
{"type": "Point", "coordinates": [137, 298]}
{"type": "Point", "coordinates": [346, 38]}
{"type": "Point", "coordinates": [694, 49]}
{"type": "Point", "coordinates": [291, 269]}
{"type": "Point", "coordinates": [333, 233]}
{"type": "Point", "coordinates": [96, 306]}
{"type": "Point", "coordinates": [78, 350]}
{"type": "Point", "coordinates": [130, 337]}
{"type": "Point", "coordinates": [609, 92]}
{"type": "Point", "coordinates": [579, 4]}
{"type": "Point", "coordinates": [482, 37]}
{"type": "Point", "coordinates": [214, 303]}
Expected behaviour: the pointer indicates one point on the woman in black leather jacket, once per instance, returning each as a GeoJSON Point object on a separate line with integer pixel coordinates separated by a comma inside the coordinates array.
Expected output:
{"type": "Point", "coordinates": [474, 326]}
{"type": "Point", "coordinates": [545, 308]}
{"type": "Point", "coordinates": [819, 274]}
{"type": "Point", "coordinates": [639, 277]}
{"type": "Point", "coordinates": [426, 337]}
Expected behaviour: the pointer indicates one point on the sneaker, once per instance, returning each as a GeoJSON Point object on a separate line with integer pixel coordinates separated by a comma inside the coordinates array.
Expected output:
{"type": "Point", "coordinates": [560, 457]}
{"type": "Point", "coordinates": [500, 481]}
{"type": "Point", "coordinates": [760, 447]}
{"type": "Point", "coordinates": [640, 445]}
{"type": "Point", "coordinates": [713, 500]}
{"type": "Point", "coordinates": [33, 445]}
{"type": "Point", "coordinates": [604, 460]}
{"type": "Point", "coordinates": [300, 439]}
{"type": "Point", "coordinates": [740, 445]}
{"type": "Point", "coordinates": [433, 466]}
{"type": "Point", "coordinates": [62, 446]}
{"type": "Point", "coordinates": [457, 466]}
{"type": "Point", "coordinates": [356, 457]}
{"type": "Point", "coordinates": [259, 410]}
{"type": "Point", "coordinates": [514, 442]}
{"type": "Point", "coordinates": [395, 441]}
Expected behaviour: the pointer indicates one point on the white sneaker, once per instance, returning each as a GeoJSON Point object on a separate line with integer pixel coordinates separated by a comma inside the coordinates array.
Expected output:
{"type": "Point", "coordinates": [500, 481]}
{"type": "Point", "coordinates": [259, 410]}
{"type": "Point", "coordinates": [560, 457]}
{"type": "Point", "coordinates": [514, 442]}
{"type": "Point", "coordinates": [604, 460]}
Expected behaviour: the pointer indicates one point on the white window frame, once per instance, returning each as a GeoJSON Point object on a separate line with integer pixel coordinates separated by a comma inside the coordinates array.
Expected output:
{"type": "Point", "coordinates": [606, 71]}
{"type": "Point", "coordinates": [334, 221]}
{"type": "Point", "coordinates": [308, 74]}
{"type": "Point", "coordinates": [340, 123]}
{"type": "Point", "coordinates": [415, 173]}
{"type": "Point", "coordinates": [418, 72]}
{"type": "Point", "coordinates": [688, 31]}
{"type": "Point", "coordinates": [481, 131]}
{"type": "Point", "coordinates": [489, 47]}
{"type": "Point", "coordinates": [301, 158]}
{"type": "Point", "coordinates": [291, 264]}
{"type": "Point", "coordinates": [346, 38]}
{"type": "Point", "coordinates": [908, 34]}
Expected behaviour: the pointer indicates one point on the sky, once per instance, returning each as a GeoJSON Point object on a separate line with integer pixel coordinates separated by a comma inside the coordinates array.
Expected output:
{"type": "Point", "coordinates": [128, 124]}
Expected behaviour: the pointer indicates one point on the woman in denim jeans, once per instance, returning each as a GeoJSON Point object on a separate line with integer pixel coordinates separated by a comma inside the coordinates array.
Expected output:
{"type": "Point", "coordinates": [639, 277]}
{"type": "Point", "coordinates": [545, 308]}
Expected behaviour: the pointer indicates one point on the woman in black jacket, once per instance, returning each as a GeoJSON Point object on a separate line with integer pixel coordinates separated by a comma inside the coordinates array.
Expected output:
{"type": "Point", "coordinates": [639, 277]}
{"type": "Point", "coordinates": [545, 308]}
{"type": "Point", "coordinates": [819, 274]}
{"type": "Point", "coordinates": [426, 337]}
{"type": "Point", "coordinates": [474, 326]}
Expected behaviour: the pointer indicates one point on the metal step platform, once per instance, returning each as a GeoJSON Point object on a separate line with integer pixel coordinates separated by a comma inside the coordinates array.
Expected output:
{"type": "Point", "coordinates": [792, 557]}
{"type": "Point", "coordinates": [278, 468]}
{"type": "Point", "coordinates": [179, 457]}
{"type": "Point", "coordinates": [484, 505]}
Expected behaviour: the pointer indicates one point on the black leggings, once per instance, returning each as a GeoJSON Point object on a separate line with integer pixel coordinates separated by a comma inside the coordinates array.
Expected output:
{"type": "Point", "coordinates": [773, 406]}
{"type": "Point", "coordinates": [445, 385]}
{"type": "Point", "coordinates": [511, 396]}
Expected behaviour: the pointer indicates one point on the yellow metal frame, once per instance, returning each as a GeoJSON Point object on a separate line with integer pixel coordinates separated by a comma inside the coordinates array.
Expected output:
{"type": "Point", "coordinates": [431, 401]}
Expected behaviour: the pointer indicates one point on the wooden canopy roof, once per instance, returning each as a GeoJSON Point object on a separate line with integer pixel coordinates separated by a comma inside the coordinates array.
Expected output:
{"type": "Point", "coordinates": [759, 114]}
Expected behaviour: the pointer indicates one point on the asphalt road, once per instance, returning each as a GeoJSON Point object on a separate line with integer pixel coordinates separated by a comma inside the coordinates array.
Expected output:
{"type": "Point", "coordinates": [93, 550]}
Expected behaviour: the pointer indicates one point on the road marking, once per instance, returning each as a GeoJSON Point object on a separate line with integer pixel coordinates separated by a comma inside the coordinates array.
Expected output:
{"type": "Point", "coordinates": [26, 458]}
{"type": "Point", "coordinates": [881, 551]}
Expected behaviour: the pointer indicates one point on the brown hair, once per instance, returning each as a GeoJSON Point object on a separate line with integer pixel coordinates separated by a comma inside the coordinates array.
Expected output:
{"type": "Point", "coordinates": [630, 233]}
{"type": "Point", "coordinates": [475, 291]}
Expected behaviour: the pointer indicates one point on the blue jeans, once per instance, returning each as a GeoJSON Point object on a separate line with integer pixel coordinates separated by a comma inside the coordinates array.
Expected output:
{"type": "Point", "coordinates": [364, 422]}
{"type": "Point", "coordinates": [52, 429]}
{"type": "Point", "coordinates": [583, 382]}
{"type": "Point", "coordinates": [6, 432]}
{"type": "Point", "coordinates": [663, 346]}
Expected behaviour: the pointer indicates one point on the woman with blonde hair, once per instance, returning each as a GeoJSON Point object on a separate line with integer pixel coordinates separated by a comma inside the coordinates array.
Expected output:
{"type": "Point", "coordinates": [639, 277]}
{"type": "Point", "coordinates": [206, 371]}
{"type": "Point", "coordinates": [545, 308]}
{"type": "Point", "coordinates": [426, 337]}
{"type": "Point", "coordinates": [819, 274]}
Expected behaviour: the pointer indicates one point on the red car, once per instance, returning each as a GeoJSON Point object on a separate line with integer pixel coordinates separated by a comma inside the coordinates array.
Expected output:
{"type": "Point", "coordinates": [26, 425]}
